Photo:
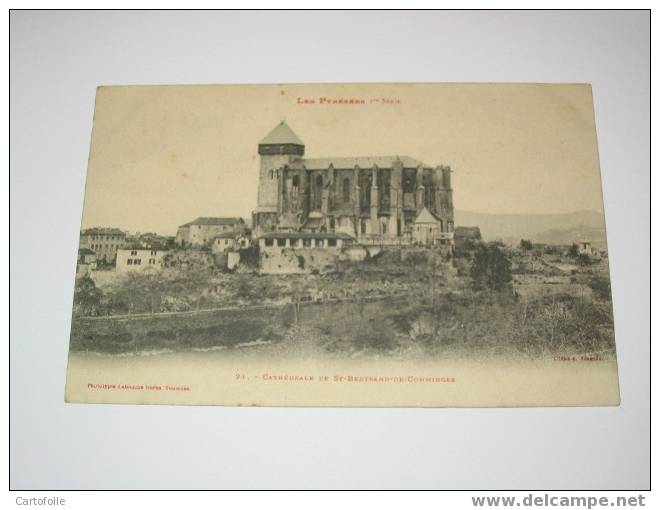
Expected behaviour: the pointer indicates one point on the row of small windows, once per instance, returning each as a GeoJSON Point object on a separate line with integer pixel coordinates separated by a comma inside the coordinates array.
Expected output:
{"type": "Point", "coordinates": [104, 246]}
{"type": "Point", "coordinates": [134, 252]}
{"type": "Point", "coordinates": [307, 242]}
{"type": "Point", "coordinates": [105, 238]}
{"type": "Point", "coordinates": [138, 262]}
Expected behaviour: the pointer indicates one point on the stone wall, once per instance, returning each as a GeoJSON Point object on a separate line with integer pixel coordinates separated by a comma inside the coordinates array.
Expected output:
{"type": "Point", "coordinates": [298, 261]}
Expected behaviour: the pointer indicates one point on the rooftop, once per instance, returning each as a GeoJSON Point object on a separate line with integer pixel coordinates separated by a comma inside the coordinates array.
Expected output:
{"type": "Point", "coordinates": [214, 221]}
{"type": "Point", "coordinates": [281, 135]}
{"type": "Point", "coordinates": [139, 247]}
{"type": "Point", "coordinates": [102, 230]}
{"type": "Point", "coordinates": [364, 162]}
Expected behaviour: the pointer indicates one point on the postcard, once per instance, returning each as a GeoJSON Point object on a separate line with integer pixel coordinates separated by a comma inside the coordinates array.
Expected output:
{"type": "Point", "coordinates": [351, 245]}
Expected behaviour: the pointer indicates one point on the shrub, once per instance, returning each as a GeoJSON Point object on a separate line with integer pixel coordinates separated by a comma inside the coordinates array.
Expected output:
{"type": "Point", "coordinates": [465, 248]}
{"type": "Point", "coordinates": [583, 259]}
{"type": "Point", "coordinates": [573, 251]}
{"type": "Point", "coordinates": [244, 289]}
{"type": "Point", "coordinates": [601, 287]}
{"type": "Point", "coordinates": [490, 268]}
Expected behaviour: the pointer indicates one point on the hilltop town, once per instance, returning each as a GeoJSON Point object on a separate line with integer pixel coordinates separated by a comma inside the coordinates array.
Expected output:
{"type": "Point", "coordinates": [319, 211]}
{"type": "Point", "coordinates": [371, 240]}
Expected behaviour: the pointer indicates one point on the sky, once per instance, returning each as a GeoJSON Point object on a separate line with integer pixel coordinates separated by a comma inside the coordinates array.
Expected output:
{"type": "Point", "coordinates": [164, 155]}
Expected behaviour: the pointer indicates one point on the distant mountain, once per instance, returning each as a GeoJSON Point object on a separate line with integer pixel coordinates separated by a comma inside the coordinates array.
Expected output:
{"type": "Point", "coordinates": [595, 235]}
{"type": "Point", "coordinates": [541, 228]}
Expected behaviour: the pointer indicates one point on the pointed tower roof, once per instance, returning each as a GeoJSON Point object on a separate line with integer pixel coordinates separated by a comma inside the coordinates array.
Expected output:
{"type": "Point", "coordinates": [281, 135]}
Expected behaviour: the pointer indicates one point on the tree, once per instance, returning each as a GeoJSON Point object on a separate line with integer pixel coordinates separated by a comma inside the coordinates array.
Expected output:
{"type": "Point", "coordinates": [526, 244]}
{"type": "Point", "coordinates": [490, 268]}
{"type": "Point", "coordinates": [87, 298]}
{"type": "Point", "coordinates": [573, 251]}
{"type": "Point", "coordinates": [583, 259]}
{"type": "Point", "coordinates": [140, 292]}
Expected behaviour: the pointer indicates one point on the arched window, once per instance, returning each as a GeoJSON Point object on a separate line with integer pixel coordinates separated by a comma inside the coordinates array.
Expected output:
{"type": "Point", "coordinates": [408, 183]}
{"type": "Point", "coordinates": [346, 190]}
{"type": "Point", "coordinates": [364, 181]}
{"type": "Point", "coordinates": [318, 193]}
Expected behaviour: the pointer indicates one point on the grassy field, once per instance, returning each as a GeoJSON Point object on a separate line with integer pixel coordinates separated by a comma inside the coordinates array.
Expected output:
{"type": "Point", "coordinates": [385, 307]}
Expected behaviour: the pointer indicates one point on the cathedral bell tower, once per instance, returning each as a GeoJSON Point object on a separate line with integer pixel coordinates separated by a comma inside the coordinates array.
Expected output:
{"type": "Point", "coordinates": [279, 148]}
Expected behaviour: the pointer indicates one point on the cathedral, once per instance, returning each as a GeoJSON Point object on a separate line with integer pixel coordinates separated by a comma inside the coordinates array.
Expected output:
{"type": "Point", "coordinates": [384, 200]}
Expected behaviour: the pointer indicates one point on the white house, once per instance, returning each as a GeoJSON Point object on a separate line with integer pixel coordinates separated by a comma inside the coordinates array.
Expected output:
{"type": "Point", "coordinates": [584, 248]}
{"type": "Point", "coordinates": [224, 243]}
{"type": "Point", "coordinates": [139, 259]}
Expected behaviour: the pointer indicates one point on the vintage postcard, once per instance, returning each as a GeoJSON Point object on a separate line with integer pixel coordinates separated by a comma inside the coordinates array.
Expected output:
{"type": "Point", "coordinates": [374, 245]}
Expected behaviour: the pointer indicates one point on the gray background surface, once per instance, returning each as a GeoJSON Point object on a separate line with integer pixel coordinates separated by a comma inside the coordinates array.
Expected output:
{"type": "Point", "coordinates": [58, 59]}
